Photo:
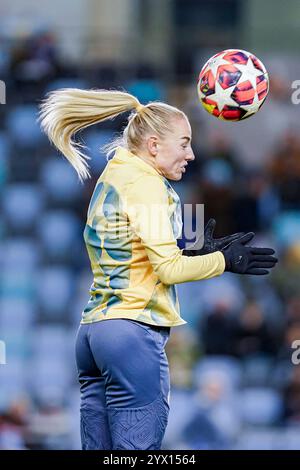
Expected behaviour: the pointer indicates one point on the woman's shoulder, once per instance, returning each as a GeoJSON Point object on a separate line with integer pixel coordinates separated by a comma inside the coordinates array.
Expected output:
{"type": "Point", "coordinates": [124, 176]}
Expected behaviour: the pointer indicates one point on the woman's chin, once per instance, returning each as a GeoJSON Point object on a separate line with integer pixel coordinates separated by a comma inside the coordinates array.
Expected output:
{"type": "Point", "coordinates": [179, 176]}
{"type": "Point", "coordinates": [174, 177]}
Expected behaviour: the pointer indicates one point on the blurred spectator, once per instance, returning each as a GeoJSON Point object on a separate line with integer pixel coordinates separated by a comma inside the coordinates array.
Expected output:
{"type": "Point", "coordinates": [219, 147]}
{"type": "Point", "coordinates": [34, 62]}
{"type": "Point", "coordinates": [182, 352]}
{"type": "Point", "coordinates": [286, 280]}
{"type": "Point", "coordinates": [13, 426]}
{"type": "Point", "coordinates": [217, 330]}
{"type": "Point", "coordinates": [255, 202]}
{"type": "Point", "coordinates": [252, 333]}
{"type": "Point", "coordinates": [49, 427]}
{"type": "Point", "coordinates": [292, 395]}
{"type": "Point", "coordinates": [293, 309]}
{"type": "Point", "coordinates": [284, 170]}
{"type": "Point", "coordinates": [215, 419]}
{"type": "Point", "coordinates": [216, 193]}
{"type": "Point", "coordinates": [291, 334]}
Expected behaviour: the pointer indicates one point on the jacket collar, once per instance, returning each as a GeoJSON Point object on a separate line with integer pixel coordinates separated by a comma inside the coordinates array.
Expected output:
{"type": "Point", "coordinates": [125, 155]}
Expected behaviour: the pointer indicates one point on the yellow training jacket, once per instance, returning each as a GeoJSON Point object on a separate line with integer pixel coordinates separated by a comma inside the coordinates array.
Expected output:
{"type": "Point", "coordinates": [133, 220]}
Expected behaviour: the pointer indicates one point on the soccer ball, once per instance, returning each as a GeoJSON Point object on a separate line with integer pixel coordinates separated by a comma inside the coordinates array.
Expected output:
{"type": "Point", "coordinates": [233, 85]}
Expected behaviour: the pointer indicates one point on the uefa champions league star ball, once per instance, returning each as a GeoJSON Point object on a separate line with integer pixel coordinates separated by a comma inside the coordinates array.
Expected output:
{"type": "Point", "coordinates": [233, 85]}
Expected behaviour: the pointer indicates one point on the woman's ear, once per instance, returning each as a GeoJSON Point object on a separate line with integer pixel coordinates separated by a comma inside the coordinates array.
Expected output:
{"type": "Point", "coordinates": [152, 145]}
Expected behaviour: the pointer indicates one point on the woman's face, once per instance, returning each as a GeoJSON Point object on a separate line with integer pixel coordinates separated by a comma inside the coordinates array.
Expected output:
{"type": "Point", "coordinates": [173, 152]}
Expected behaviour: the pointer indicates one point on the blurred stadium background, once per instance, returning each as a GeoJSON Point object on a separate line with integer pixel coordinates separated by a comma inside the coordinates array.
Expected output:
{"type": "Point", "coordinates": [233, 382]}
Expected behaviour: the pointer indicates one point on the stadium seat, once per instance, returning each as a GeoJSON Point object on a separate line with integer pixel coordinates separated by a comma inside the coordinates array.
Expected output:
{"type": "Point", "coordinates": [257, 371]}
{"type": "Point", "coordinates": [17, 344]}
{"type": "Point", "coordinates": [229, 291]}
{"type": "Point", "coordinates": [5, 144]}
{"type": "Point", "coordinates": [228, 367]}
{"type": "Point", "coordinates": [218, 172]}
{"type": "Point", "coordinates": [18, 283]}
{"type": "Point", "coordinates": [286, 227]}
{"type": "Point", "coordinates": [260, 406]}
{"type": "Point", "coordinates": [4, 157]}
{"type": "Point", "coordinates": [74, 409]}
{"type": "Point", "coordinates": [49, 378]}
{"type": "Point", "coordinates": [60, 180]}
{"type": "Point", "coordinates": [180, 414]}
{"type": "Point", "coordinates": [94, 140]}
{"type": "Point", "coordinates": [20, 252]}
{"type": "Point", "coordinates": [257, 439]}
{"type": "Point", "coordinates": [22, 205]}
{"type": "Point", "coordinates": [16, 311]}
{"type": "Point", "coordinates": [52, 340]}
{"type": "Point", "coordinates": [59, 232]}
{"type": "Point", "coordinates": [146, 90]}
{"type": "Point", "coordinates": [55, 291]}
{"type": "Point", "coordinates": [23, 127]}
{"type": "Point", "coordinates": [13, 379]}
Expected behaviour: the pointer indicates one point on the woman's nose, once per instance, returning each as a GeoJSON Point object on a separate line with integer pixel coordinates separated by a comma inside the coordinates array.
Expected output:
{"type": "Point", "coordinates": [191, 155]}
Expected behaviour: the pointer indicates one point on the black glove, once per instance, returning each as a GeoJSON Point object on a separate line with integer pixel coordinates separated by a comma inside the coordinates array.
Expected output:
{"type": "Point", "coordinates": [243, 259]}
{"type": "Point", "coordinates": [212, 244]}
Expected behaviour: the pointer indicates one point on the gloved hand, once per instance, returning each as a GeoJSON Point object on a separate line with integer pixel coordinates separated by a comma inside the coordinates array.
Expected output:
{"type": "Point", "coordinates": [243, 259]}
{"type": "Point", "coordinates": [213, 244]}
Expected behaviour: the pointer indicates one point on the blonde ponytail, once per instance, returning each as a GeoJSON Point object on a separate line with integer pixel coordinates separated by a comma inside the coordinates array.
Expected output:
{"type": "Point", "coordinates": [66, 111]}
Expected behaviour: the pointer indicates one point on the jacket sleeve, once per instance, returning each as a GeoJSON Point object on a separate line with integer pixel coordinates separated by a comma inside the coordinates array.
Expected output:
{"type": "Point", "coordinates": [146, 204]}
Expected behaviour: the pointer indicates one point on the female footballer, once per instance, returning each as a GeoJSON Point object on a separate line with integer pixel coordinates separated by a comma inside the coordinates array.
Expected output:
{"type": "Point", "coordinates": [132, 224]}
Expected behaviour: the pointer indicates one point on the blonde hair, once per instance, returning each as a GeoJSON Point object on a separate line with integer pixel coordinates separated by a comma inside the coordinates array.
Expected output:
{"type": "Point", "coordinates": [66, 111]}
